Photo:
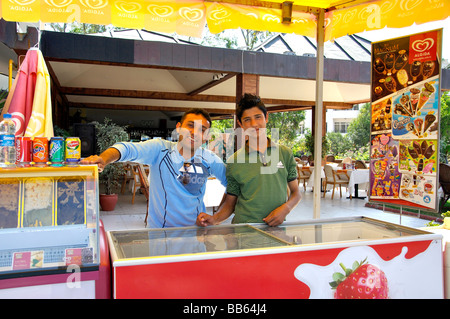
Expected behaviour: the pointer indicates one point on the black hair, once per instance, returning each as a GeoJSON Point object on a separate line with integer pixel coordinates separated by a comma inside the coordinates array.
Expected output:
{"type": "Point", "coordinates": [247, 102]}
{"type": "Point", "coordinates": [197, 111]}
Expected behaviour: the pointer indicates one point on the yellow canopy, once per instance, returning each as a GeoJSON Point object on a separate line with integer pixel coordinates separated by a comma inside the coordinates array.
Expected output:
{"type": "Point", "coordinates": [188, 17]}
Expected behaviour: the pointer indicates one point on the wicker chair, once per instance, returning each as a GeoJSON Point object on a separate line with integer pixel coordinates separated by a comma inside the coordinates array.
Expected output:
{"type": "Point", "coordinates": [330, 158]}
{"type": "Point", "coordinates": [360, 164]}
{"type": "Point", "coordinates": [127, 177]}
{"type": "Point", "coordinates": [304, 173]}
{"type": "Point", "coordinates": [444, 180]}
{"type": "Point", "coordinates": [143, 177]}
{"type": "Point", "coordinates": [335, 178]}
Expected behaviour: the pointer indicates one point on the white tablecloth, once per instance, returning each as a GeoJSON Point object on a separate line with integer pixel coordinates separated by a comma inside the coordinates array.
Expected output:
{"type": "Point", "coordinates": [322, 173]}
{"type": "Point", "coordinates": [360, 177]}
{"type": "Point", "coordinates": [214, 193]}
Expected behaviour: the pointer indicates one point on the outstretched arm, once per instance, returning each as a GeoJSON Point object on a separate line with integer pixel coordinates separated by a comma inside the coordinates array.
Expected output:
{"type": "Point", "coordinates": [108, 156]}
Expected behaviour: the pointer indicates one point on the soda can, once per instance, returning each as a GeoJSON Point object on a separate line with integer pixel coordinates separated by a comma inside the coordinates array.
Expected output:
{"type": "Point", "coordinates": [24, 151]}
{"type": "Point", "coordinates": [56, 151]}
{"type": "Point", "coordinates": [73, 150]}
{"type": "Point", "coordinates": [40, 151]}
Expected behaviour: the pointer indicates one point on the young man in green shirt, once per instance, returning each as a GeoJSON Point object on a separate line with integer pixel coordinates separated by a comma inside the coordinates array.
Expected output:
{"type": "Point", "coordinates": [262, 175]}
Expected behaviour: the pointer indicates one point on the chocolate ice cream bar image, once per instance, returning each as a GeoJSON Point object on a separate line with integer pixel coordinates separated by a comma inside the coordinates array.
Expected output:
{"type": "Point", "coordinates": [420, 166]}
{"type": "Point", "coordinates": [423, 147]}
{"type": "Point", "coordinates": [429, 151]}
{"type": "Point", "coordinates": [413, 153]}
{"type": "Point", "coordinates": [417, 148]}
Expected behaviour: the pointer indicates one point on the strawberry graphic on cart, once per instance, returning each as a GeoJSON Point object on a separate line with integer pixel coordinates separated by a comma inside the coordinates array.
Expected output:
{"type": "Point", "coordinates": [362, 281]}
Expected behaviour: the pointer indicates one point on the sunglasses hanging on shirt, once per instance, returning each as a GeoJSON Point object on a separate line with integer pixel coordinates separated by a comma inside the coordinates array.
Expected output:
{"type": "Point", "coordinates": [186, 178]}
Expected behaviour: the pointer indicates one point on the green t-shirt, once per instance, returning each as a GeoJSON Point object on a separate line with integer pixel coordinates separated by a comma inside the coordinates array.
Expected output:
{"type": "Point", "coordinates": [259, 181]}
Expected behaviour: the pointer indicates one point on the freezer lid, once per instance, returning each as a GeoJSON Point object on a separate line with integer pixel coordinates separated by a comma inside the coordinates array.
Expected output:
{"type": "Point", "coordinates": [190, 240]}
{"type": "Point", "coordinates": [339, 230]}
{"type": "Point", "coordinates": [135, 244]}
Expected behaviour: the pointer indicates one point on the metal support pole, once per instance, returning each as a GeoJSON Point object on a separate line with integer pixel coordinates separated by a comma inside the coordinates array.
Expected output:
{"type": "Point", "coordinates": [318, 112]}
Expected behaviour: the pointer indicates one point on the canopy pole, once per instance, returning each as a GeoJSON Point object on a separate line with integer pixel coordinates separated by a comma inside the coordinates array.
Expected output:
{"type": "Point", "coordinates": [318, 113]}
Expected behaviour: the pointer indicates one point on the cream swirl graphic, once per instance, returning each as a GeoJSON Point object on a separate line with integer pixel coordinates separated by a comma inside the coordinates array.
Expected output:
{"type": "Point", "coordinates": [35, 124]}
{"type": "Point", "coordinates": [387, 6]}
{"type": "Point", "coordinates": [407, 5]}
{"type": "Point", "coordinates": [337, 18]}
{"type": "Point", "coordinates": [160, 11]}
{"type": "Point", "coordinates": [192, 15]}
{"type": "Point", "coordinates": [219, 14]}
{"type": "Point", "coordinates": [58, 4]}
{"type": "Point", "coordinates": [271, 18]}
{"type": "Point", "coordinates": [372, 15]}
{"type": "Point", "coordinates": [252, 15]}
{"type": "Point", "coordinates": [299, 21]}
{"type": "Point", "coordinates": [94, 4]}
{"type": "Point", "coordinates": [19, 120]}
{"type": "Point", "coordinates": [423, 45]}
{"type": "Point", "coordinates": [349, 15]}
{"type": "Point", "coordinates": [23, 2]}
{"type": "Point", "coordinates": [127, 7]}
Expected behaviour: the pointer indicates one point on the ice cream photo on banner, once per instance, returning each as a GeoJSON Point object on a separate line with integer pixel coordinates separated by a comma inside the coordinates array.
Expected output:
{"type": "Point", "coordinates": [415, 111]}
{"type": "Point", "coordinates": [384, 173]}
{"type": "Point", "coordinates": [418, 156]}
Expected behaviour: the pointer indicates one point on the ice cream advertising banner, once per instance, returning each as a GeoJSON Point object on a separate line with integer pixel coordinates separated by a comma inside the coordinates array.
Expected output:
{"type": "Point", "coordinates": [405, 120]}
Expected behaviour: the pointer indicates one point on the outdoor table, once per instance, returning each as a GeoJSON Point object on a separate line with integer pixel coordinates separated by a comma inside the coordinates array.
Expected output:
{"type": "Point", "coordinates": [310, 183]}
{"type": "Point", "coordinates": [356, 177]}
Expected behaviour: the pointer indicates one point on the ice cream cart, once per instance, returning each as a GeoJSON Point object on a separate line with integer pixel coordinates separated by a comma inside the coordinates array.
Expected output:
{"type": "Point", "coordinates": [294, 260]}
{"type": "Point", "coordinates": [50, 237]}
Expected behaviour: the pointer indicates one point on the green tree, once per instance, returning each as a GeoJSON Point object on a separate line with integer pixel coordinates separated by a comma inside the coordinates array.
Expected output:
{"type": "Point", "coordinates": [445, 127]}
{"type": "Point", "coordinates": [288, 124]}
{"type": "Point", "coordinates": [222, 125]}
{"type": "Point", "coordinates": [359, 129]}
{"type": "Point", "coordinates": [253, 38]}
{"type": "Point", "coordinates": [221, 39]}
{"type": "Point", "coordinates": [339, 143]}
{"type": "Point", "coordinates": [81, 28]}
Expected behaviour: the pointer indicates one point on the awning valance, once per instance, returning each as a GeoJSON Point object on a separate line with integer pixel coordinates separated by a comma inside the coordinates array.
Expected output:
{"type": "Point", "coordinates": [188, 17]}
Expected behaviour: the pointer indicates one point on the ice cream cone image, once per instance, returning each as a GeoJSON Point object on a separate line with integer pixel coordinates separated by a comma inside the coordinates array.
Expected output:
{"type": "Point", "coordinates": [415, 94]}
{"type": "Point", "coordinates": [425, 94]}
{"type": "Point", "coordinates": [418, 126]}
{"type": "Point", "coordinates": [429, 119]}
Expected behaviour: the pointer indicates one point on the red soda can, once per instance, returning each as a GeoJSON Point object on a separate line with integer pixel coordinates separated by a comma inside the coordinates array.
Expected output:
{"type": "Point", "coordinates": [24, 150]}
{"type": "Point", "coordinates": [40, 151]}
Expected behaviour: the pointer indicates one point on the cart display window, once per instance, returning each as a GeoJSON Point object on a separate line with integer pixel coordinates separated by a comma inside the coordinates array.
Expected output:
{"type": "Point", "coordinates": [49, 219]}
